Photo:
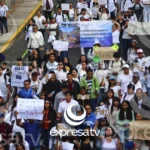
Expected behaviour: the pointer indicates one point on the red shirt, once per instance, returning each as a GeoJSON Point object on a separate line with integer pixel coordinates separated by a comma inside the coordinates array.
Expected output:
{"type": "Point", "coordinates": [70, 86]}
{"type": "Point", "coordinates": [5, 130]}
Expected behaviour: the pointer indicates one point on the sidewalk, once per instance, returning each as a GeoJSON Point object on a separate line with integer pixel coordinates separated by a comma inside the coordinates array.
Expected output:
{"type": "Point", "coordinates": [20, 14]}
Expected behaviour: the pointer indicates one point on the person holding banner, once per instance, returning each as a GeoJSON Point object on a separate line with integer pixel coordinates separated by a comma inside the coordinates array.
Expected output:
{"type": "Point", "coordinates": [84, 15]}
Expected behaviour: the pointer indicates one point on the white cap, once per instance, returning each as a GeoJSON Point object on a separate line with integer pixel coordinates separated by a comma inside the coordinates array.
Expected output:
{"type": "Point", "coordinates": [96, 42]}
{"type": "Point", "coordinates": [139, 51]}
{"type": "Point", "coordinates": [126, 66]}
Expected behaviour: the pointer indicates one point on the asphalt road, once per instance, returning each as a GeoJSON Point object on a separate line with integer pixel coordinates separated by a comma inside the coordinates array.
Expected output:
{"type": "Point", "coordinates": [19, 47]}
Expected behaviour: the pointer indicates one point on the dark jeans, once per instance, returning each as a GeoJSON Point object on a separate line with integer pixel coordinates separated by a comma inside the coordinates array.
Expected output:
{"type": "Point", "coordinates": [93, 103]}
{"type": "Point", "coordinates": [126, 43]}
{"type": "Point", "coordinates": [42, 31]}
{"type": "Point", "coordinates": [3, 22]}
{"type": "Point", "coordinates": [45, 136]}
{"type": "Point", "coordinates": [47, 14]}
{"type": "Point", "coordinates": [112, 15]}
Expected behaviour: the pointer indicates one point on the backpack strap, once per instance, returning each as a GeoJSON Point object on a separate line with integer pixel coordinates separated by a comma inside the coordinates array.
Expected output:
{"type": "Point", "coordinates": [112, 63]}
{"type": "Point", "coordinates": [121, 63]}
{"type": "Point", "coordinates": [124, 96]}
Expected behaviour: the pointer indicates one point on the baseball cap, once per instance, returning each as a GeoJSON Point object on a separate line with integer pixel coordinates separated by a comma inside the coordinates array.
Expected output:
{"type": "Point", "coordinates": [139, 51]}
{"type": "Point", "coordinates": [113, 78]}
{"type": "Point", "coordinates": [126, 66]}
{"type": "Point", "coordinates": [130, 145]}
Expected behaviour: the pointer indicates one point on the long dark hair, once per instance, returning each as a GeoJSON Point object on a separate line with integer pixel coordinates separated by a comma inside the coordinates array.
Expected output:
{"type": "Point", "coordinates": [106, 98]}
{"type": "Point", "coordinates": [99, 125]}
{"type": "Point", "coordinates": [20, 137]}
{"type": "Point", "coordinates": [119, 105]}
{"type": "Point", "coordinates": [128, 112]}
{"type": "Point", "coordinates": [79, 61]}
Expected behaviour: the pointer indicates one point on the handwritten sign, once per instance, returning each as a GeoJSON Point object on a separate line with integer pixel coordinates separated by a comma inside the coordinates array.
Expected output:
{"type": "Point", "coordinates": [105, 53]}
{"type": "Point", "coordinates": [30, 109]}
{"type": "Point", "coordinates": [61, 45]}
{"type": "Point", "coordinates": [64, 6]}
{"type": "Point", "coordinates": [19, 75]}
{"type": "Point", "coordinates": [67, 146]}
{"type": "Point", "coordinates": [101, 112]}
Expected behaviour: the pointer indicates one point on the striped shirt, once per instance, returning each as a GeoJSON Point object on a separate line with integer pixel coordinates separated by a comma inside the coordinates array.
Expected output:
{"type": "Point", "coordinates": [89, 83]}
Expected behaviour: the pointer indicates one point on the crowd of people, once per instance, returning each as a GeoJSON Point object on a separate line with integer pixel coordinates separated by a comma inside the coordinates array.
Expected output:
{"type": "Point", "coordinates": [122, 85]}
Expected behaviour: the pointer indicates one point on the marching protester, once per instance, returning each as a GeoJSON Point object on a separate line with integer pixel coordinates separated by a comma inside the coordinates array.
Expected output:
{"type": "Point", "coordinates": [3, 17]}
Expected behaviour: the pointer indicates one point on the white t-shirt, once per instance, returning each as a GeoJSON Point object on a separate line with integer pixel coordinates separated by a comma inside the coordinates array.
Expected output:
{"type": "Point", "coordinates": [71, 13]}
{"type": "Point", "coordinates": [116, 89]}
{"type": "Point", "coordinates": [138, 85]}
{"type": "Point", "coordinates": [124, 80]}
{"type": "Point", "coordinates": [64, 105]}
{"type": "Point", "coordinates": [3, 10]}
{"type": "Point", "coordinates": [81, 5]}
{"type": "Point", "coordinates": [126, 34]}
{"type": "Point", "coordinates": [59, 18]}
{"type": "Point", "coordinates": [39, 21]}
{"type": "Point", "coordinates": [115, 36]}
{"type": "Point", "coordinates": [127, 97]}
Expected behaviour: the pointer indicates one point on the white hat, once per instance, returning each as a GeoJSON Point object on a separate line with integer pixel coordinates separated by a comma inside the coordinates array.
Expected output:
{"type": "Point", "coordinates": [139, 51]}
{"type": "Point", "coordinates": [96, 42]}
{"type": "Point", "coordinates": [126, 66]}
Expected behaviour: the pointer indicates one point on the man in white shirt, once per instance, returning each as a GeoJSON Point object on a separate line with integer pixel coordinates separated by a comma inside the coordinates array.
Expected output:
{"type": "Point", "coordinates": [65, 104]}
{"type": "Point", "coordinates": [125, 78]}
{"type": "Point", "coordinates": [47, 8]}
{"type": "Point", "coordinates": [3, 17]}
{"type": "Point", "coordinates": [83, 14]}
{"type": "Point", "coordinates": [59, 16]}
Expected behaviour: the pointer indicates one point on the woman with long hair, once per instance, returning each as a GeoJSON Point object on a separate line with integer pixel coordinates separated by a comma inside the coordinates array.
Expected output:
{"type": "Point", "coordinates": [48, 122]}
{"type": "Point", "coordinates": [75, 75]}
{"type": "Point", "coordinates": [108, 98]}
{"type": "Point", "coordinates": [81, 59]}
{"type": "Point", "coordinates": [124, 116]}
{"type": "Point", "coordinates": [67, 64]}
{"type": "Point", "coordinates": [113, 110]}
{"type": "Point", "coordinates": [82, 71]}
{"type": "Point", "coordinates": [18, 141]}
{"type": "Point", "coordinates": [109, 140]}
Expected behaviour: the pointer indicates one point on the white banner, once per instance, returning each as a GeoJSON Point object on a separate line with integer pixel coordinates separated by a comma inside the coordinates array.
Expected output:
{"type": "Point", "coordinates": [139, 28]}
{"type": "Point", "coordinates": [19, 75]}
{"type": "Point", "coordinates": [30, 109]}
{"type": "Point", "coordinates": [67, 146]}
{"type": "Point", "coordinates": [65, 6]}
{"type": "Point", "coordinates": [101, 112]}
{"type": "Point", "coordinates": [61, 45]}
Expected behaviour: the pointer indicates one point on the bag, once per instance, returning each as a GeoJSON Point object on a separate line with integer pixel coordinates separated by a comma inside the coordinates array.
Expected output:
{"type": "Point", "coordinates": [41, 48]}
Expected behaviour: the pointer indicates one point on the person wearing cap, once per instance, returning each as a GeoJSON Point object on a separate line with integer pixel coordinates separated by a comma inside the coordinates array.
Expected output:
{"type": "Point", "coordinates": [130, 146]}
{"type": "Point", "coordinates": [126, 40]}
{"type": "Point", "coordinates": [136, 82]}
{"type": "Point", "coordinates": [138, 9]}
{"type": "Point", "coordinates": [27, 91]}
{"type": "Point", "coordinates": [84, 14]}
{"type": "Point", "coordinates": [140, 60]}
{"type": "Point", "coordinates": [36, 84]}
{"type": "Point", "coordinates": [91, 54]}
{"type": "Point", "coordinates": [125, 78]}
{"type": "Point", "coordinates": [115, 66]}
{"type": "Point", "coordinates": [132, 51]}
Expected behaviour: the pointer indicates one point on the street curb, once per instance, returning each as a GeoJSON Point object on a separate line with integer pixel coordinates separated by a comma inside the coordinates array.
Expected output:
{"type": "Point", "coordinates": [12, 38]}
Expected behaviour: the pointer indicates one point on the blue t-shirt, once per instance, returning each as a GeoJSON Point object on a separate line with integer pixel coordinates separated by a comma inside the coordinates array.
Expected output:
{"type": "Point", "coordinates": [32, 133]}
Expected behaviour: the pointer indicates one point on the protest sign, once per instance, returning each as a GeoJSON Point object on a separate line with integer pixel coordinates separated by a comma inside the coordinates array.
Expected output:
{"type": "Point", "coordinates": [139, 130]}
{"type": "Point", "coordinates": [64, 6]}
{"type": "Point", "coordinates": [101, 112]}
{"type": "Point", "coordinates": [60, 45]}
{"type": "Point", "coordinates": [19, 75]}
{"type": "Point", "coordinates": [105, 53]}
{"type": "Point", "coordinates": [84, 34]}
{"type": "Point", "coordinates": [102, 2]}
{"type": "Point", "coordinates": [67, 146]}
{"type": "Point", "coordinates": [30, 109]}
{"type": "Point", "coordinates": [139, 28]}
{"type": "Point", "coordinates": [94, 11]}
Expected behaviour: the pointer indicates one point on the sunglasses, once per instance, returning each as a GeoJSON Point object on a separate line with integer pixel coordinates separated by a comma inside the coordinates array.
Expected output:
{"type": "Point", "coordinates": [87, 108]}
